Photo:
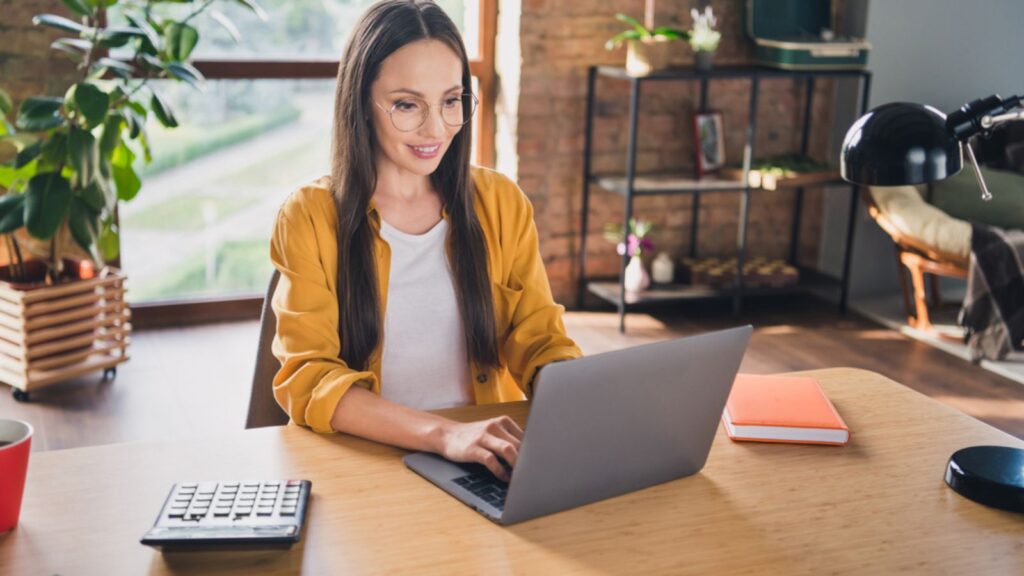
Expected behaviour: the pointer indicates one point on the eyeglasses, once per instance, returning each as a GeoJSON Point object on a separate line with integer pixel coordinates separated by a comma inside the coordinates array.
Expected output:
{"type": "Point", "coordinates": [411, 112]}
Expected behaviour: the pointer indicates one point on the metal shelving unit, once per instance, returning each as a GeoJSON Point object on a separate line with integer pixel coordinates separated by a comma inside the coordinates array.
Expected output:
{"type": "Point", "coordinates": [631, 185]}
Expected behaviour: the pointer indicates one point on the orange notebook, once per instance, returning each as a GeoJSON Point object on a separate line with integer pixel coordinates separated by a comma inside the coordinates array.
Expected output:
{"type": "Point", "coordinates": [782, 409]}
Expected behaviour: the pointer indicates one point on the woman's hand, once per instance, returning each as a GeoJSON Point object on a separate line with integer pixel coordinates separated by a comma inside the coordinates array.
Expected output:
{"type": "Point", "coordinates": [483, 442]}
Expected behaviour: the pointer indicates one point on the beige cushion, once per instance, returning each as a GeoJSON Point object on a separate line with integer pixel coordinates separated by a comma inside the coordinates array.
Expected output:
{"type": "Point", "coordinates": [904, 207]}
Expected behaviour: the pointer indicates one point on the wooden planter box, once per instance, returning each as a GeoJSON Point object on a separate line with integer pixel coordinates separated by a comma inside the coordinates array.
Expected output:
{"type": "Point", "coordinates": [50, 334]}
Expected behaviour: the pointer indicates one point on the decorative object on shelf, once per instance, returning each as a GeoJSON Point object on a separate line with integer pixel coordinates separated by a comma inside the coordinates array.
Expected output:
{"type": "Point", "coordinates": [65, 164]}
{"type": "Point", "coordinates": [636, 278]}
{"type": "Point", "coordinates": [647, 47]}
{"type": "Point", "coordinates": [758, 272]}
{"type": "Point", "coordinates": [704, 38]}
{"type": "Point", "coordinates": [709, 142]}
{"type": "Point", "coordinates": [663, 269]}
{"type": "Point", "coordinates": [932, 146]}
{"type": "Point", "coordinates": [784, 171]}
{"type": "Point", "coordinates": [800, 35]}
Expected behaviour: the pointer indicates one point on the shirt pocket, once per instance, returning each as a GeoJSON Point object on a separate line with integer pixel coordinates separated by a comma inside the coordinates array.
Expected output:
{"type": "Point", "coordinates": [506, 299]}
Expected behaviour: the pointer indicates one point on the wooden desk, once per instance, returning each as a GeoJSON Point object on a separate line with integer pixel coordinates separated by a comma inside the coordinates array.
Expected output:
{"type": "Point", "coordinates": [878, 505]}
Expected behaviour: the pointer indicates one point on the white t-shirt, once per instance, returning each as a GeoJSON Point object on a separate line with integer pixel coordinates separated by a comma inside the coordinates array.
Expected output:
{"type": "Point", "coordinates": [424, 363]}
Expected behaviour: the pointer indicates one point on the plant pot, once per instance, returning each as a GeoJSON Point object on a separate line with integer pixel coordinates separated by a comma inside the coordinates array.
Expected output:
{"type": "Point", "coordinates": [52, 333]}
{"type": "Point", "coordinates": [644, 57]}
{"type": "Point", "coordinates": [703, 60]}
{"type": "Point", "coordinates": [636, 279]}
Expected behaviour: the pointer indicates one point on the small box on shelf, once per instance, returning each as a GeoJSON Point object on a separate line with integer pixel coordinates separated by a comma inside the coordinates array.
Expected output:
{"type": "Point", "coordinates": [721, 272]}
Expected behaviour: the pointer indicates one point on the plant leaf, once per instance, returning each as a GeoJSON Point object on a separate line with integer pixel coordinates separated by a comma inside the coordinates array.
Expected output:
{"type": "Point", "coordinates": [146, 28]}
{"type": "Point", "coordinates": [109, 241]}
{"type": "Point", "coordinates": [94, 196]}
{"type": "Point", "coordinates": [74, 47]}
{"type": "Point", "coordinates": [163, 112]}
{"type": "Point", "coordinates": [12, 212]}
{"type": "Point", "coordinates": [119, 67]}
{"type": "Point", "coordinates": [255, 7]}
{"type": "Point", "coordinates": [672, 33]}
{"type": "Point", "coordinates": [92, 102]}
{"type": "Point", "coordinates": [77, 7]}
{"type": "Point", "coordinates": [46, 204]}
{"type": "Point", "coordinates": [13, 178]}
{"type": "Point", "coordinates": [28, 154]}
{"type": "Point", "coordinates": [55, 149]}
{"type": "Point", "coordinates": [614, 41]}
{"type": "Point", "coordinates": [82, 222]}
{"type": "Point", "coordinates": [227, 25]}
{"type": "Point", "coordinates": [59, 22]}
{"type": "Point", "coordinates": [111, 133]}
{"type": "Point", "coordinates": [117, 36]}
{"type": "Point", "coordinates": [39, 113]}
{"type": "Point", "coordinates": [6, 105]}
{"type": "Point", "coordinates": [179, 40]}
{"type": "Point", "coordinates": [125, 178]}
{"type": "Point", "coordinates": [634, 23]}
{"type": "Point", "coordinates": [187, 73]}
{"type": "Point", "coordinates": [83, 155]}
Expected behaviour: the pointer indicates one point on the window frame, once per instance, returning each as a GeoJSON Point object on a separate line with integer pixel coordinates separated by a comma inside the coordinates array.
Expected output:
{"type": "Point", "coordinates": [231, 308]}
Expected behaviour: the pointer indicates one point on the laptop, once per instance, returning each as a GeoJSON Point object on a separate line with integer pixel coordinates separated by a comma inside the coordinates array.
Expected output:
{"type": "Point", "coordinates": [605, 425]}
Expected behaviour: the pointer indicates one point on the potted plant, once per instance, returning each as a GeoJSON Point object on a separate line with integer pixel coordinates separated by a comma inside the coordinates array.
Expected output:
{"type": "Point", "coordinates": [636, 277]}
{"type": "Point", "coordinates": [67, 163]}
{"type": "Point", "coordinates": [647, 47]}
{"type": "Point", "coordinates": [704, 38]}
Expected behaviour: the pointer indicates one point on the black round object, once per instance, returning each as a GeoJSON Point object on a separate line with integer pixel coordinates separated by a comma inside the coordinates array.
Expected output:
{"type": "Point", "coordinates": [989, 475]}
{"type": "Point", "coordinates": [897, 144]}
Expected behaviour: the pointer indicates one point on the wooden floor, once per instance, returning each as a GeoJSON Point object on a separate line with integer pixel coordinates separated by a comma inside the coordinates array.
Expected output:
{"type": "Point", "coordinates": [188, 382]}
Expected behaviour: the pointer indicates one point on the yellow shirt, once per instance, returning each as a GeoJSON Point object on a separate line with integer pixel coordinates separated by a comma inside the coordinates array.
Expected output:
{"type": "Point", "coordinates": [312, 378]}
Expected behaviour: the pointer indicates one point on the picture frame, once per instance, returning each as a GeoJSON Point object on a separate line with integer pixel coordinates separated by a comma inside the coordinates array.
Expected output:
{"type": "Point", "coordinates": [709, 142]}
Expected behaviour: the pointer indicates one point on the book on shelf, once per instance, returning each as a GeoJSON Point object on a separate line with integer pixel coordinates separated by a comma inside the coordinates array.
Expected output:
{"type": "Point", "coordinates": [791, 409]}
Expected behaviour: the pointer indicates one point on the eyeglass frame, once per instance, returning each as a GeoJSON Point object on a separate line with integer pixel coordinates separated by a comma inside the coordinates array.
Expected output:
{"type": "Point", "coordinates": [390, 113]}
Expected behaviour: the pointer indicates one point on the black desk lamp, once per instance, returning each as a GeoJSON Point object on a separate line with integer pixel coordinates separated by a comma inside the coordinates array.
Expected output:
{"type": "Point", "coordinates": [905, 144]}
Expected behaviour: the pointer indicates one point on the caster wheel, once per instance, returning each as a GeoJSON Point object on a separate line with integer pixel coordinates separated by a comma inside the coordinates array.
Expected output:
{"type": "Point", "coordinates": [109, 373]}
{"type": "Point", "coordinates": [20, 395]}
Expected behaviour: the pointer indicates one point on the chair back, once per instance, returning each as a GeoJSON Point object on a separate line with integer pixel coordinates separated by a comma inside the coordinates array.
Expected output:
{"type": "Point", "coordinates": [263, 409]}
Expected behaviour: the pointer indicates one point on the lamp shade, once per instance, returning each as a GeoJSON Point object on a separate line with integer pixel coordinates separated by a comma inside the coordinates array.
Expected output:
{"type": "Point", "coordinates": [898, 144]}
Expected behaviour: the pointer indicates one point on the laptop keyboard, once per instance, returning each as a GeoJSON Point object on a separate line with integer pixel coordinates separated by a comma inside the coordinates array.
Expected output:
{"type": "Point", "coordinates": [486, 486]}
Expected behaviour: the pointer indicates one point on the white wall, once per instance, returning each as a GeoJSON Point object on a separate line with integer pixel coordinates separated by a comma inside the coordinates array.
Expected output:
{"type": "Point", "coordinates": [938, 52]}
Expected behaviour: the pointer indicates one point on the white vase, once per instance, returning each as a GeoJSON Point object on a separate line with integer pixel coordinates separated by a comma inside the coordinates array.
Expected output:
{"type": "Point", "coordinates": [637, 279]}
{"type": "Point", "coordinates": [662, 269]}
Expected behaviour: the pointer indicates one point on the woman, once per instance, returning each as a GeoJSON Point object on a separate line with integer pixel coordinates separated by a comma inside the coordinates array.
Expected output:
{"type": "Point", "coordinates": [410, 280]}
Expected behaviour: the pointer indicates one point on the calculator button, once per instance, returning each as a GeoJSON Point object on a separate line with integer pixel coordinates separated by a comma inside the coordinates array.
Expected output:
{"type": "Point", "coordinates": [243, 511]}
{"type": "Point", "coordinates": [176, 514]}
{"type": "Point", "coordinates": [222, 512]}
{"type": "Point", "coordinates": [272, 483]}
{"type": "Point", "coordinates": [251, 484]}
{"type": "Point", "coordinates": [290, 511]}
{"type": "Point", "coordinates": [264, 511]}
{"type": "Point", "coordinates": [230, 484]}
{"type": "Point", "coordinates": [188, 485]}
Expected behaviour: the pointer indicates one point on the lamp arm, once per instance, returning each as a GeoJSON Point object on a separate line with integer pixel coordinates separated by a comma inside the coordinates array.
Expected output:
{"type": "Point", "coordinates": [990, 121]}
{"type": "Point", "coordinates": [985, 194]}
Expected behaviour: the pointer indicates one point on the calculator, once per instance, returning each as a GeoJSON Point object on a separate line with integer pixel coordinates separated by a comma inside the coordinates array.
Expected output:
{"type": "Point", "coordinates": [268, 513]}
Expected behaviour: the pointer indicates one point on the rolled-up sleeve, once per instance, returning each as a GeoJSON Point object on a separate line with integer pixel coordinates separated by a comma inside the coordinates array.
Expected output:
{"type": "Point", "coordinates": [312, 378]}
{"type": "Point", "coordinates": [537, 334]}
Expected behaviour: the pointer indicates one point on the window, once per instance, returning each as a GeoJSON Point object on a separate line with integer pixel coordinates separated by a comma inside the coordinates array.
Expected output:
{"type": "Point", "coordinates": [199, 231]}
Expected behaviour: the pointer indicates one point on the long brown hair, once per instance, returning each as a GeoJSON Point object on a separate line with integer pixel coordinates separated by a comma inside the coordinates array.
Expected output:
{"type": "Point", "coordinates": [384, 28]}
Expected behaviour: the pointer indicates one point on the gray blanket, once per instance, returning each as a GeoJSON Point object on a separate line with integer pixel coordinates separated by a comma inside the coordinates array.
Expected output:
{"type": "Point", "coordinates": [993, 310]}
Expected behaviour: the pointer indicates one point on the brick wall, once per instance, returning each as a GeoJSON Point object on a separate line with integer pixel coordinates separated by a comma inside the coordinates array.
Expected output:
{"type": "Point", "coordinates": [27, 65]}
{"type": "Point", "coordinates": [557, 41]}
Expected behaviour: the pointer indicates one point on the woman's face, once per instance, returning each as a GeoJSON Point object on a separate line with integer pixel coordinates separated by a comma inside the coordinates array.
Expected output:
{"type": "Point", "coordinates": [422, 72]}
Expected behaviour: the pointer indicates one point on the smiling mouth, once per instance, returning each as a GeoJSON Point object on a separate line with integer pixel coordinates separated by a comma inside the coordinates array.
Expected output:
{"type": "Point", "coordinates": [426, 149]}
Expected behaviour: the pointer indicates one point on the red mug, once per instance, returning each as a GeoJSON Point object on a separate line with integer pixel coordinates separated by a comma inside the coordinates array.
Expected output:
{"type": "Point", "coordinates": [15, 444]}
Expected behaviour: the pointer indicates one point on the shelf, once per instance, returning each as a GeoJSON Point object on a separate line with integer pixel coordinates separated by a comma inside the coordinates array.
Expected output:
{"type": "Point", "coordinates": [725, 71]}
{"type": "Point", "coordinates": [608, 290]}
{"type": "Point", "coordinates": [668, 183]}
